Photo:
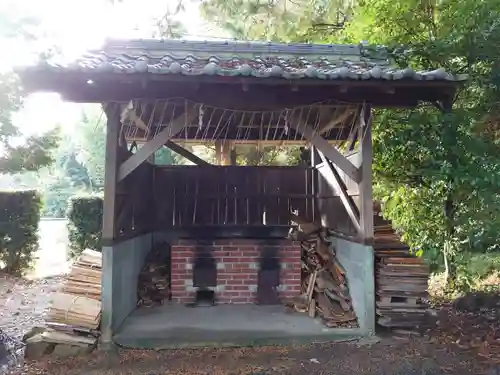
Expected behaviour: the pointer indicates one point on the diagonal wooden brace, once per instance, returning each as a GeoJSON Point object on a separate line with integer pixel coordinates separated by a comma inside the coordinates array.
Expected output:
{"type": "Point", "coordinates": [333, 179]}
{"type": "Point", "coordinates": [185, 153]}
{"type": "Point", "coordinates": [170, 144]}
{"type": "Point", "coordinates": [149, 148]}
{"type": "Point", "coordinates": [330, 152]}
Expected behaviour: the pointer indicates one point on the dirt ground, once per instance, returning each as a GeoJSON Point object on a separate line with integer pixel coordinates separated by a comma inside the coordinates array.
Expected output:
{"type": "Point", "coordinates": [413, 356]}
{"type": "Point", "coordinates": [23, 304]}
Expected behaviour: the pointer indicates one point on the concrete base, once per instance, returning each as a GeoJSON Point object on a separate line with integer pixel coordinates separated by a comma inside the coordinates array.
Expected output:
{"type": "Point", "coordinates": [176, 326]}
{"type": "Point", "coordinates": [358, 263]}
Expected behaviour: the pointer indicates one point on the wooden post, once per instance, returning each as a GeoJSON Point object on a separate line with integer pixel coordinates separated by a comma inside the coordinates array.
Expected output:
{"type": "Point", "coordinates": [365, 186]}
{"type": "Point", "coordinates": [111, 172]}
{"type": "Point", "coordinates": [218, 152]}
{"type": "Point", "coordinates": [233, 155]}
{"type": "Point", "coordinates": [223, 152]}
{"type": "Point", "coordinates": [315, 185]}
{"type": "Point", "coordinates": [226, 149]}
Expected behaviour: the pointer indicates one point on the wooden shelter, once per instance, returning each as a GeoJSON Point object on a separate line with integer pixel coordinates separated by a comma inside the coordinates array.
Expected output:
{"type": "Point", "coordinates": [166, 93]}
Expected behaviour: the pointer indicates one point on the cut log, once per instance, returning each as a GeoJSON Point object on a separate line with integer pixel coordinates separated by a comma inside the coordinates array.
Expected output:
{"type": "Point", "coordinates": [312, 308]}
{"type": "Point", "coordinates": [310, 287]}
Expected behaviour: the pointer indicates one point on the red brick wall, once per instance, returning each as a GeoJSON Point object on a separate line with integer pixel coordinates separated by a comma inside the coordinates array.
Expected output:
{"type": "Point", "coordinates": [237, 268]}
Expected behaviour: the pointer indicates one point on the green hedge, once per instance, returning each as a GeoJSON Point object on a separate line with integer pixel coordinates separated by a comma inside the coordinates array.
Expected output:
{"type": "Point", "coordinates": [19, 218]}
{"type": "Point", "coordinates": [84, 224]}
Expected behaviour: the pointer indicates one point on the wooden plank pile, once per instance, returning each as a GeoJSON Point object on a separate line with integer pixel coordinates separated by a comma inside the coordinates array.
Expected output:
{"type": "Point", "coordinates": [84, 278]}
{"type": "Point", "coordinates": [324, 285]}
{"type": "Point", "coordinates": [75, 310]}
{"type": "Point", "coordinates": [153, 287]}
{"type": "Point", "coordinates": [78, 303]}
{"type": "Point", "coordinates": [401, 282]}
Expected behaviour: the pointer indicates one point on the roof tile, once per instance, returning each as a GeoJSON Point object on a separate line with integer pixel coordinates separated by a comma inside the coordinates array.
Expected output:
{"type": "Point", "coordinates": [209, 58]}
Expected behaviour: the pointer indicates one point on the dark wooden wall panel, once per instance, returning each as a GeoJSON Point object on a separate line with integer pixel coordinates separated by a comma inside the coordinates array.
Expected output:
{"type": "Point", "coordinates": [135, 202]}
{"type": "Point", "coordinates": [231, 195]}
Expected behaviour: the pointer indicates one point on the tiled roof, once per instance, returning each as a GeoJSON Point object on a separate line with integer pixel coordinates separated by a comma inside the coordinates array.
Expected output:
{"type": "Point", "coordinates": [208, 58]}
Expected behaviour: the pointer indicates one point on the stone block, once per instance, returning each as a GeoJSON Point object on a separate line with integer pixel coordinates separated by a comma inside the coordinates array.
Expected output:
{"type": "Point", "coordinates": [64, 351]}
{"type": "Point", "coordinates": [37, 349]}
{"type": "Point", "coordinates": [33, 332]}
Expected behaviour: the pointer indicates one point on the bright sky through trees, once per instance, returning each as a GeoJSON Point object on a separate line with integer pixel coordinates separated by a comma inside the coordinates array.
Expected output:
{"type": "Point", "coordinates": [76, 26]}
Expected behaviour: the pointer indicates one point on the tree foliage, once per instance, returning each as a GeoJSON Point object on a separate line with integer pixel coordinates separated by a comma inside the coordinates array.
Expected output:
{"type": "Point", "coordinates": [91, 146]}
{"type": "Point", "coordinates": [19, 153]}
{"type": "Point", "coordinates": [19, 218]}
{"type": "Point", "coordinates": [437, 173]}
{"type": "Point", "coordinates": [279, 20]}
{"type": "Point", "coordinates": [85, 224]}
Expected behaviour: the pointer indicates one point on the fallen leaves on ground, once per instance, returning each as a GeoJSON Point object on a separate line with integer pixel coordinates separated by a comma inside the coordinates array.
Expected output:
{"type": "Point", "coordinates": [477, 331]}
{"type": "Point", "coordinates": [413, 357]}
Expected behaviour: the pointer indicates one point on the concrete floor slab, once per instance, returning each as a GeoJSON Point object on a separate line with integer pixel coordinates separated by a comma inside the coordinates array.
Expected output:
{"type": "Point", "coordinates": [177, 326]}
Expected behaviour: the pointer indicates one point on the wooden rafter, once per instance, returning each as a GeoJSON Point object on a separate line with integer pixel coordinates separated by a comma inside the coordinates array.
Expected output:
{"type": "Point", "coordinates": [333, 179]}
{"type": "Point", "coordinates": [149, 148]}
{"type": "Point", "coordinates": [330, 152]}
{"type": "Point", "coordinates": [338, 119]}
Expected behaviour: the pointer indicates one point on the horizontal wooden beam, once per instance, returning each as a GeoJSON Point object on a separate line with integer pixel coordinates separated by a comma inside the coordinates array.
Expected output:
{"type": "Point", "coordinates": [249, 82]}
{"type": "Point", "coordinates": [149, 148]}
{"type": "Point", "coordinates": [183, 141]}
{"type": "Point", "coordinates": [235, 133]}
{"type": "Point", "coordinates": [259, 96]}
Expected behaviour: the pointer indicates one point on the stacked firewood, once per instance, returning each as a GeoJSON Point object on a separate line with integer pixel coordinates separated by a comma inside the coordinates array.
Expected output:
{"type": "Point", "coordinates": [324, 286]}
{"type": "Point", "coordinates": [153, 287]}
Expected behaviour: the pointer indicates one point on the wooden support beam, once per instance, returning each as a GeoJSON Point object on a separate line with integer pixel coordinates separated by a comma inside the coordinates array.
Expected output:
{"type": "Point", "coordinates": [226, 152]}
{"type": "Point", "coordinates": [218, 152]}
{"type": "Point", "coordinates": [365, 186]}
{"type": "Point", "coordinates": [185, 153]}
{"type": "Point", "coordinates": [132, 115]}
{"type": "Point", "coordinates": [238, 134]}
{"type": "Point", "coordinates": [233, 155]}
{"type": "Point", "coordinates": [330, 152]}
{"type": "Point", "coordinates": [353, 136]}
{"type": "Point", "coordinates": [340, 115]}
{"type": "Point", "coordinates": [111, 172]}
{"type": "Point", "coordinates": [333, 179]}
{"type": "Point", "coordinates": [149, 148]}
